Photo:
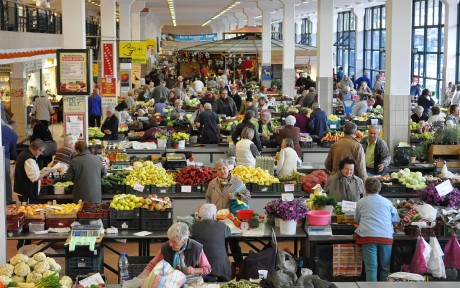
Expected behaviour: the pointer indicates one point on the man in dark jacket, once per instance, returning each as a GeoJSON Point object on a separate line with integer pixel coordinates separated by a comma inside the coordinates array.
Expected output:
{"type": "Point", "coordinates": [361, 79]}
{"type": "Point", "coordinates": [224, 104]}
{"type": "Point", "coordinates": [160, 91]}
{"type": "Point", "coordinates": [376, 150]}
{"type": "Point", "coordinates": [208, 122]}
{"type": "Point", "coordinates": [236, 98]}
{"type": "Point", "coordinates": [247, 123]}
{"type": "Point", "coordinates": [317, 124]}
{"type": "Point", "coordinates": [86, 171]}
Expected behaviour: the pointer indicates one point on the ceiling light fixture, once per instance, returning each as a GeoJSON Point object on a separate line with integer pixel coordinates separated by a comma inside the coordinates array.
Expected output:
{"type": "Point", "coordinates": [348, 6]}
{"type": "Point", "coordinates": [359, 3]}
{"type": "Point", "coordinates": [172, 11]}
{"type": "Point", "coordinates": [230, 7]}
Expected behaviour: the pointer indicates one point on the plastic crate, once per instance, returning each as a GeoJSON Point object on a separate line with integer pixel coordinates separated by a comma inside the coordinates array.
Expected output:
{"type": "Point", "coordinates": [136, 265]}
{"type": "Point", "coordinates": [60, 216]}
{"type": "Point", "coordinates": [156, 224]}
{"type": "Point", "coordinates": [116, 189]}
{"type": "Point", "coordinates": [84, 265]}
{"type": "Point", "coordinates": [326, 144]}
{"type": "Point", "coordinates": [85, 215]}
{"type": "Point", "coordinates": [59, 222]}
{"type": "Point", "coordinates": [449, 230]}
{"type": "Point", "coordinates": [34, 226]}
{"type": "Point", "coordinates": [306, 144]}
{"type": "Point", "coordinates": [147, 214]}
{"type": "Point", "coordinates": [130, 190]}
{"type": "Point", "coordinates": [125, 214]}
{"type": "Point", "coordinates": [394, 188]}
{"type": "Point", "coordinates": [263, 188]}
{"type": "Point", "coordinates": [15, 222]}
{"type": "Point", "coordinates": [87, 221]}
{"type": "Point", "coordinates": [438, 230]}
{"type": "Point", "coordinates": [131, 224]}
{"type": "Point", "coordinates": [156, 189]}
{"type": "Point", "coordinates": [83, 251]}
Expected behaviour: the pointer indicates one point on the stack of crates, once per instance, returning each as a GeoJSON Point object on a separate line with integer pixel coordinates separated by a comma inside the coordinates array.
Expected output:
{"type": "Point", "coordinates": [156, 220]}
{"type": "Point", "coordinates": [125, 219]}
{"type": "Point", "coordinates": [266, 163]}
{"type": "Point", "coordinates": [83, 261]}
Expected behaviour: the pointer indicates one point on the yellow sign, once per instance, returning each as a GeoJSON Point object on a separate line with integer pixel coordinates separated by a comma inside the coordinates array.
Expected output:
{"type": "Point", "coordinates": [95, 70]}
{"type": "Point", "coordinates": [136, 51]}
{"type": "Point", "coordinates": [151, 43]}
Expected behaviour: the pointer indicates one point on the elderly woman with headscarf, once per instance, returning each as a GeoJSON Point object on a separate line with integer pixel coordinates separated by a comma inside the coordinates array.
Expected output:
{"type": "Point", "coordinates": [181, 252]}
{"type": "Point", "coordinates": [290, 131]}
{"type": "Point", "coordinates": [212, 233]}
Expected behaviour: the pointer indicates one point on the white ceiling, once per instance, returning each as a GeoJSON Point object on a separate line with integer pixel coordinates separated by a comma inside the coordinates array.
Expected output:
{"type": "Point", "coordinates": [196, 12]}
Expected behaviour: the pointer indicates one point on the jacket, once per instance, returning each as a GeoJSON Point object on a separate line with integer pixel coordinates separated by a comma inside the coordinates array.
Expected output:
{"type": "Point", "coordinates": [218, 106]}
{"type": "Point", "coordinates": [95, 106]}
{"type": "Point", "coordinates": [42, 109]}
{"type": "Point", "coordinates": [287, 162]}
{"type": "Point", "coordinates": [239, 128]}
{"type": "Point", "coordinates": [293, 133]}
{"type": "Point", "coordinates": [244, 155]}
{"type": "Point", "coordinates": [335, 186]}
{"type": "Point", "coordinates": [381, 154]}
{"type": "Point", "coordinates": [111, 123]}
{"type": "Point", "coordinates": [317, 123]}
{"type": "Point", "coordinates": [217, 193]}
{"type": "Point", "coordinates": [86, 171]}
{"type": "Point", "coordinates": [191, 253]}
{"type": "Point", "coordinates": [22, 183]}
{"type": "Point", "coordinates": [347, 147]}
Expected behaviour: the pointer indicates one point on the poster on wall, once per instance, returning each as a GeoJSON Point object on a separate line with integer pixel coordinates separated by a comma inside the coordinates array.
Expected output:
{"type": "Point", "coordinates": [75, 125]}
{"type": "Point", "coordinates": [132, 52]}
{"type": "Point", "coordinates": [73, 72]}
{"type": "Point", "coordinates": [109, 87]}
{"type": "Point", "coordinates": [107, 60]}
{"type": "Point", "coordinates": [266, 73]}
{"type": "Point", "coordinates": [136, 68]}
{"type": "Point", "coordinates": [17, 86]}
{"type": "Point", "coordinates": [125, 82]}
{"type": "Point", "coordinates": [108, 102]}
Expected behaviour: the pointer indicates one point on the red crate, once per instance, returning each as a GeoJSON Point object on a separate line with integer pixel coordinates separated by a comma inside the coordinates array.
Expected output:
{"type": "Point", "coordinates": [59, 222]}
{"type": "Point", "coordinates": [15, 222]}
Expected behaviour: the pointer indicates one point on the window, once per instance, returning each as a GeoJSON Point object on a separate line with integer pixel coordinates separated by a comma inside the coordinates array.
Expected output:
{"type": "Point", "coordinates": [374, 40]}
{"type": "Point", "coordinates": [305, 32]}
{"type": "Point", "coordinates": [277, 31]}
{"type": "Point", "coordinates": [345, 45]}
{"type": "Point", "coordinates": [428, 44]}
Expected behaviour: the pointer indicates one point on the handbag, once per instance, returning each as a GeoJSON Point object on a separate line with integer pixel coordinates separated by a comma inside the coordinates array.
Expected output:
{"type": "Point", "coordinates": [164, 275]}
{"type": "Point", "coordinates": [51, 148]}
{"type": "Point", "coordinates": [262, 260]}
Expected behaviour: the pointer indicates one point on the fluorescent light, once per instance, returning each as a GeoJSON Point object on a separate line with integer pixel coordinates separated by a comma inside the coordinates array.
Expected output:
{"type": "Point", "coordinates": [223, 11]}
{"type": "Point", "coordinates": [172, 11]}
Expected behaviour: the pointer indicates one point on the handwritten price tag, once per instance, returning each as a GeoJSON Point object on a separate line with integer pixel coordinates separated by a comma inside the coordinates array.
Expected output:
{"type": "Point", "coordinates": [348, 206]}
{"type": "Point", "coordinates": [138, 187]}
{"type": "Point", "coordinates": [289, 187]}
{"type": "Point", "coordinates": [444, 188]}
{"type": "Point", "coordinates": [287, 196]}
{"type": "Point", "coordinates": [186, 189]}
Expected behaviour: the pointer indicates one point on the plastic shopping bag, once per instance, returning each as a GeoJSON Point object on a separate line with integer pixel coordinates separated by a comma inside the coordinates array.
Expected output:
{"type": "Point", "coordinates": [452, 253]}
{"type": "Point", "coordinates": [421, 256]}
{"type": "Point", "coordinates": [435, 263]}
{"type": "Point", "coordinates": [164, 275]}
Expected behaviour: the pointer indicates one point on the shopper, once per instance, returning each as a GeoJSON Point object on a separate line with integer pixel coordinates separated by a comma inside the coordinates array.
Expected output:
{"type": "Point", "coordinates": [375, 215]}
{"type": "Point", "coordinates": [377, 84]}
{"type": "Point", "coordinates": [345, 82]}
{"type": "Point", "coordinates": [121, 113]}
{"type": "Point", "coordinates": [301, 120]}
{"type": "Point", "coordinates": [95, 109]}
{"type": "Point", "coordinates": [43, 110]}
{"type": "Point", "coordinates": [236, 97]}
{"type": "Point", "coordinates": [436, 115]}
{"type": "Point", "coordinates": [247, 122]}
{"type": "Point", "coordinates": [246, 151]}
{"type": "Point", "coordinates": [309, 99]}
{"type": "Point", "coordinates": [288, 159]}
{"type": "Point", "coordinates": [347, 147]}
{"type": "Point", "coordinates": [9, 141]}
{"type": "Point", "coordinates": [292, 132]}
{"type": "Point", "coordinates": [130, 103]}
{"type": "Point", "coordinates": [248, 105]}
{"type": "Point", "coordinates": [317, 123]}
{"type": "Point", "coordinates": [160, 92]}
{"type": "Point", "coordinates": [452, 119]}
{"type": "Point", "coordinates": [41, 131]}
{"type": "Point", "coordinates": [376, 150]}
{"type": "Point", "coordinates": [362, 107]}
{"type": "Point", "coordinates": [364, 91]}
{"type": "Point", "coordinates": [110, 125]}
{"type": "Point", "coordinates": [27, 173]}
{"type": "Point", "coordinates": [225, 105]}
{"type": "Point", "coordinates": [425, 101]}
{"type": "Point", "coordinates": [364, 78]}
{"type": "Point", "coordinates": [419, 115]}
{"type": "Point", "coordinates": [159, 106]}
{"type": "Point", "coordinates": [265, 127]}
{"type": "Point", "coordinates": [208, 124]}
{"type": "Point", "coordinates": [65, 154]}
{"type": "Point", "coordinates": [85, 171]}
{"type": "Point", "coordinates": [343, 185]}
{"type": "Point", "coordinates": [212, 233]}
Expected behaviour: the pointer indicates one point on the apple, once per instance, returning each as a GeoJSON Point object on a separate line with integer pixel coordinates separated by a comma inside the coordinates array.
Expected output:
{"type": "Point", "coordinates": [158, 206]}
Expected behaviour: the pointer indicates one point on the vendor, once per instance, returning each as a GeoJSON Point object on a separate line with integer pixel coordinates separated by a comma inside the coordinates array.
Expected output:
{"type": "Point", "coordinates": [65, 154]}
{"type": "Point", "coordinates": [344, 185]}
{"type": "Point", "coordinates": [419, 115]}
{"type": "Point", "coordinates": [452, 119]}
{"type": "Point", "coordinates": [110, 125]}
{"type": "Point", "coordinates": [265, 127]}
{"type": "Point", "coordinates": [375, 215]}
{"type": "Point", "coordinates": [290, 131]}
{"type": "Point", "coordinates": [262, 104]}
{"type": "Point", "coordinates": [377, 154]}
{"type": "Point", "coordinates": [177, 112]}
{"type": "Point", "coordinates": [224, 104]}
{"type": "Point", "coordinates": [121, 113]}
{"type": "Point", "coordinates": [248, 104]}
{"type": "Point", "coordinates": [208, 124]}
{"type": "Point", "coordinates": [212, 233]}
{"type": "Point", "coordinates": [145, 125]}
{"type": "Point", "coordinates": [288, 159]}
{"type": "Point", "coordinates": [247, 122]}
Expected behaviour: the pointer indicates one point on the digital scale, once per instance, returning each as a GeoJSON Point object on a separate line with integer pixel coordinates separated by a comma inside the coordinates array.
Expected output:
{"type": "Point", "coordinates": [319, 230]}
{"type": "Point", "coordinates": [86, 231]}
{"type": "Point", "coordinates": [174, 161]}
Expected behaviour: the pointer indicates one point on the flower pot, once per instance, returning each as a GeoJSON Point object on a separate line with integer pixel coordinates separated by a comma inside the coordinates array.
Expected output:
{"type": "Point", "coordinates": [181, 144]}
{"type": "Point", "coordinates": [328, 208]}
{"type": "Point", "coordinates": [175, 145]}
{"type": "Point", "coordinates": [162, 143]}
{"type": "Point", "coordinates": [413, 159]}
{"type": "Point", "coordinates": [288, 227]}
{"type": "Point", "coordinates": [277, 222]}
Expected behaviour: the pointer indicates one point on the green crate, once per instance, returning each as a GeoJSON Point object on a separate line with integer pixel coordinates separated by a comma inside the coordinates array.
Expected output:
{"type": "Point", "coordinates": [395, 188]}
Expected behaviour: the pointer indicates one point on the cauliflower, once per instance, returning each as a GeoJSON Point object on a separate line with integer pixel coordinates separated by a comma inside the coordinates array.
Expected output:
{"type": "Point", "coordinates": [5, 280]}
{"type": "Point", "coordinates": [48, 273]}
{"type": "Point", "coordinates": [21, 269]}
{"type": "Point", "coordinates": [40, 256]}
{"type": "Point", "coordinates": [18, 258]}
{"type": "Point", "coordinates": [6, 270]}
{"type": "Point", "coordinates": [18, 279]}
{"type": "Point", "coordinates": [137, 165]}
{"type": "Point", "coordinates": [32, 262]}
{"type": "Point", "coordinates": [56, 268]}
{"type": "Point", "coordinates": [34, 277]}
{"type": "Point", "coordinates": [66, 281]}
{"type": "Point", "coordinates": [42, 267]}
{"type": "Point", "coordinates": [52, 264]}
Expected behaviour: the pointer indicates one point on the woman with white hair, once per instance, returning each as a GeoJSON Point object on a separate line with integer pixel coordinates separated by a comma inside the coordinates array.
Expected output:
{"type": "Point", "coordinates": [177, 112]}
{"type": "Point", "coordinates": [212, 233]}
{"type": "Point", "coordinates": [246, 151]}
{"type": "Point", "coordinates": [287, 161]}
{"type": "Point", "coordinates": [265, 127]}
{"type": "Point", "coordinates": [110, 125]}
{"type": "Point", "coordinates": [292, 132]}
{"type": "Point", "coordinates": [419, 115]}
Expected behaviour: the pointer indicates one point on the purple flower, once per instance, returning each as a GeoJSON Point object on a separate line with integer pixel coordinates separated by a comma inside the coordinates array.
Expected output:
{"type": "Point", "coordinates": [431, 196]}
{"type": "Point", "coordinates": [287, 210]}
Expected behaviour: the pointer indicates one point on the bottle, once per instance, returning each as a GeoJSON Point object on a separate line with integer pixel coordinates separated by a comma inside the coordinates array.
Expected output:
{"type": "Point", "coordinates": [123, 268]}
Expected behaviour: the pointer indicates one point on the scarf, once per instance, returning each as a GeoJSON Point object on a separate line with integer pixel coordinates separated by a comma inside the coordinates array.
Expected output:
{"type": "Point", "coordinates": [346, 186]}
{"type": "Point", "coordinates": [179, 257]}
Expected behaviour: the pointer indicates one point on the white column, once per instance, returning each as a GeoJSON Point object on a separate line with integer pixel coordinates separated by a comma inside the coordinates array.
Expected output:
{"type": "Point", "coordinates": [266, 8]}
{"type": "Point", "coordinates": [314, 29]}
{"type": "Point", "coordinates": [241, 17]}
{"type": "Point", "coordinates": [144, 25]}
{"type": "Point", "coordinates": [289, 48]}
{"type": "Point", "coordinates": [359, 48]}
{"type": "Point", "coordinates": [325, 47]}
{"type": "Point", "coordinates": [18, 78]}
{"type": "Point", "coordinates": [136, 9]}
{"type": "Point", "coordinates": [221, 29]}
{"type": "Point", "coordinates": [450, 32]}
{"type": "Point", "coordinates": [125, 19]}
{"type": "Point", "coordinates": [150, 22]}
{"type": "Point", "coordinates": [225, 23]}
{"type": "Point", "coordinates": [397, 68]}
{"type": "Point", "coordinates": [250, 14]}
{"type": "Point", "coordinates": [74, 24]}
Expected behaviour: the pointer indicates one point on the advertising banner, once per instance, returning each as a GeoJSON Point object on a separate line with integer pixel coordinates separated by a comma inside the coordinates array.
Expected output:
{"type": "Point", "coordinates": [132, 52]}
{"type": "Point", "coordinates": [73, 72]}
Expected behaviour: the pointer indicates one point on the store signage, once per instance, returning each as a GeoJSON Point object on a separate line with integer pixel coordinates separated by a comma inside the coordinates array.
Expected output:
{"type": "Point", "coordinates": [132, 52]}
{"type": "Point", "coordinates": [266, 73]}
{"type": "Point", "coordinates": [73, 72]}
{"type": "Point", "coordinates": [74, 124]}
{"type": "Point", "coordinates": [109, 102]}
{"type": "Point", "coordinates": [33, 65]}
{"type": "Point", "coordinates": [109, 86]}
{"type": "Point", "coordinates": [107, 58]}
{"type": "Point", "coordinates": [75, 104]}
{"type": "Point", "coordinates": [95, 69]}
{"type": "Point", "coordinates": [190, 38]}
{"type": "Point", "coordinates": [5, 68]}
{"type": "Point", "coordinates": [17, 87]}
{"type": "Point", "coordinates": [151, 43]}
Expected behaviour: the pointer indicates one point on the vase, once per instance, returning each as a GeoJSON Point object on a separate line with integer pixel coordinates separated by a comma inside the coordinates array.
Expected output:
{"type": "Point", "coordinates": [277, 222]}
{"type": "Point", "coordinates": [162, 143]}
{"type": "Point", "coordinates": [288, 227]}
{"type": "Point", "coordinates": [181, 144]}
{"type": "Point", "coordinates": [175, 145]}
{"type": "Point", "coordinates": [413, 159]}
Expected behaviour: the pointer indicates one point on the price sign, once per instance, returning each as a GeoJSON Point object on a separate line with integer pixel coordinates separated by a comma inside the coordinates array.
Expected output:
{"type": "Point", "coordinates": [138, 187]}
{"type": "Point", "coordinates": [289, 187]}
{"type": "Point", "coordinates": [333, 126]}
{"type": "Point", "coordinates": [348, 206]}
{"type": "Point", "coordinates": [186, 189]}
{"type": "Point", "coordinates": [287, 197]}
{"type": "Point", "coordinates": [444, 188]}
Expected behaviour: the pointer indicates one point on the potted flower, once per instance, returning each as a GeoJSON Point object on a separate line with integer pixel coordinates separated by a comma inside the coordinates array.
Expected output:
{"type": "Point", "coordinates": [271, 209]}
{"type": "Point", "coordinates": [162, 138]}
{"type": "Point", "coordinates": [324, 202]}
{"type": "Point", "coordinates": [179, 138]}
{"type": "Point", "coordinates": [290, 212]}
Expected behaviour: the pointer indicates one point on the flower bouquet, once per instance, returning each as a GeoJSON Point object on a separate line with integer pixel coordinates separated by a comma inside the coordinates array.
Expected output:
{"type": "Point", "coordinates": [179, 136]}
{"type": "Point", "coordinates": [287, 210]}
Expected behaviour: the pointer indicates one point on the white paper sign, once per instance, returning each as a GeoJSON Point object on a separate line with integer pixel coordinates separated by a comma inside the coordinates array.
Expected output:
{"type": "Point", "coordinates": [142, 233]}
{"type": "Point", "coordinates": [93, 279]}
{"type": "Point", "coordinates": [186, 189]}
{"type": "Point", "coordinates": [287, 196]}
{"type": "Point", "coordinates": [138, 187]}
{"type": "Point", "coordinates": [444, 188]}
{"type": "Point", "coordinates": [289, 187]}
{"type": "Point", "coordinates": [348, 206]}
{"type": "Point", "coordinates": [333, 126]}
